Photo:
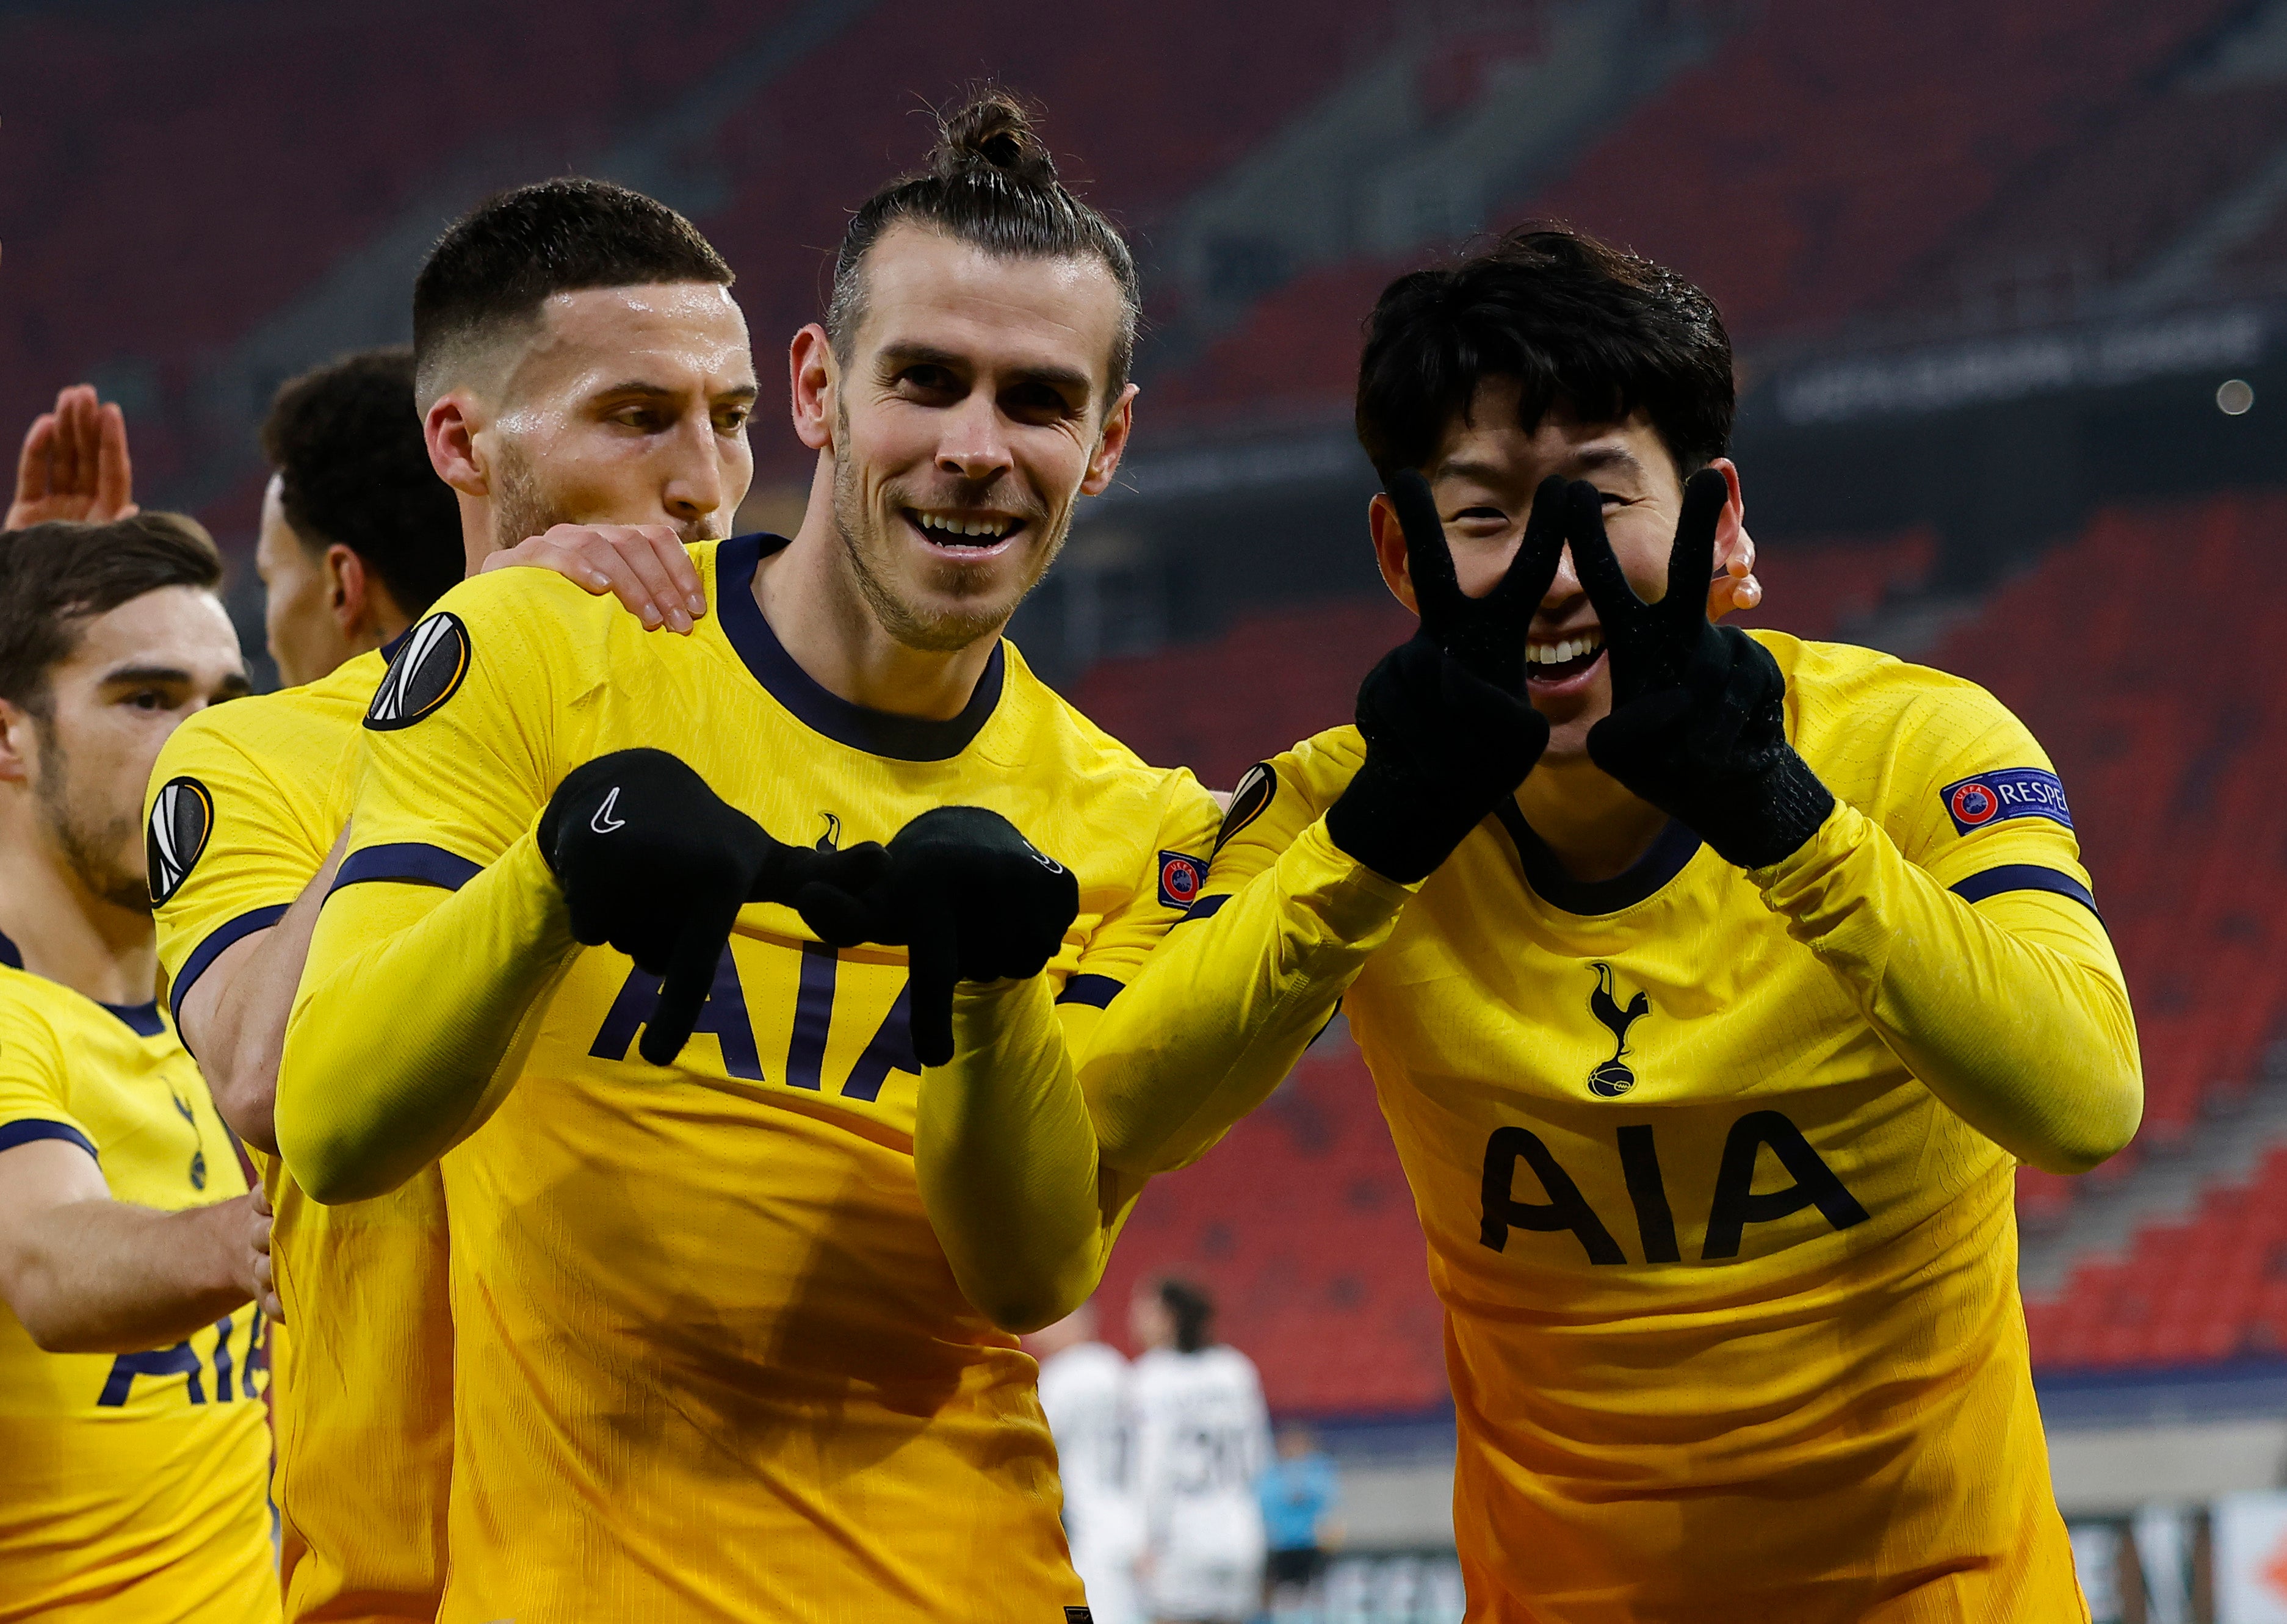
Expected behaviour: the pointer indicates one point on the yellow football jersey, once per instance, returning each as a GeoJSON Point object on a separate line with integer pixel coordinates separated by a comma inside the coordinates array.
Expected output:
{"type": "Point", "coordinates": [712, 1362]}
{"type": "Point", "coordinates": [245, 802]}
{"type": "Point", "coordinates": [133, 1482]}
{"type": "Point", "coordinates": [1732, 1316]}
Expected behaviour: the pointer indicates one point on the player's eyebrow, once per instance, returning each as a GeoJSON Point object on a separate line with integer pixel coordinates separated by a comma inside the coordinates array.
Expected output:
{"type": "Point", "coordinates": [1064, 380]}
{"type": "Point", "coordinates": [231, 687]}
{"type": "Point", "coordinates": [1484, 472]}
{"type": "Point", "coordinates": [661, 392]}
{"type": "Point", "coordinates": [1596, 459]}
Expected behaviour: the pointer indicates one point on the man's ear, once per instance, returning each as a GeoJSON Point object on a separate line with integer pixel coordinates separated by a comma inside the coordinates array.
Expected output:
{"type": "Point", "coordinates": [19, 747]}
{"type": "Point", "coordinates": [346, 590]}
{"type": "Point", "coordinates": [1110, 444]}
{"type": "Point", "coordinates": [1389, 551]}
{"type": "Point", "coordinates": [1731, 528]}
{"type": "Point", "coordinates": [812, 380]}
{"type": "Point", "coordinates": [450, 428]}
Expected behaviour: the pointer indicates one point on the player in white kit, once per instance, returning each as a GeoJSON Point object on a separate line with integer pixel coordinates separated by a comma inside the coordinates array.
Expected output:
{"type": "Point", "coordinates": [1084, 1391]}
{"type": "Point", "coordinates": [1202, 1438]}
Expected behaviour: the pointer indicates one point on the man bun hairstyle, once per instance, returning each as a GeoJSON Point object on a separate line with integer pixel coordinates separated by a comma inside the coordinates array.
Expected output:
{"type": "Point", "coordinates": [1571, 320]}
{"type": "Point", "coordinates": [989, 182]}
{"type": "Point", "coordinates": [54, 577]}
{"type": "Point", "coordinates": [1193, 1313]}
{"type": "Point", "coordinates": [493, 267]}
{"type": "Point", "coordinates": [353, 467]}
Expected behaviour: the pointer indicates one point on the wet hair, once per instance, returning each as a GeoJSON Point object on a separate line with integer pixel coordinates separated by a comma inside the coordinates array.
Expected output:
{"type": "Point", "coordinates": [353, 468]}
{"type": "Point", "coordinates": [1571, 320]}
{"type": "Point", "coordinates": [57, 576]}
{"type": "Point", "coordinates": [1193, 1311]}
{"type": "Point", "coordinates": [989, 182]}
{"type": "Point", "coordinates": [493, 267]}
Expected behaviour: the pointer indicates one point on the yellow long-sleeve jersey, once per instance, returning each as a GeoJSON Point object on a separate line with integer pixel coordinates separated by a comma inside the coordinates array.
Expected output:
{"type": "Point", "coordinates": [712, 1361]}
{"type": "Point", "coordinates": [130, 1485]}
{"type": "Point", "coordinates": [245, 802]}
{"type": "Point", "coordinates": [1729, 1266]}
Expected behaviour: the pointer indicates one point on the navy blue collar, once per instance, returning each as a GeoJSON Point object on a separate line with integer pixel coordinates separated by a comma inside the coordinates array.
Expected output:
{"type": "Point", "coordinates": [1675, 846]}
{"type": "Point", "coordinates": [875, 732]}
{"type": "Point", "coordinates": [388, 649]}
{"type": "Point", "coordinates": [143, 1018]}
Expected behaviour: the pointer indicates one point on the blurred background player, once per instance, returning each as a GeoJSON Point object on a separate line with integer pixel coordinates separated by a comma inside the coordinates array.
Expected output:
{"type": "Point", "coordinates": [725, 1281]}
{"type": "Point", "coordinates": [359, 535]}
{"type": "Point", "coordinates": [1084, 1395]}
{"type": "Point", "coordinates": [1301, 1493]}
{"type": "Point", "coordinates": [135, 1451]}
{"type": "Point", "coordinates": [1202, 1441]}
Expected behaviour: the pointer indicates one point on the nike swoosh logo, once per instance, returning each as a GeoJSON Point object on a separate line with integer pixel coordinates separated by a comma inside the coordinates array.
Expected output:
{"type": "Point", "coordinates": [603, 822]}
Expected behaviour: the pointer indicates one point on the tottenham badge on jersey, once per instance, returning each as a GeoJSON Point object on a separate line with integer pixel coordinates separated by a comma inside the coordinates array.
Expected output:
{"type": "Point", "coordinates": [427, 671]}
{"type": "Point", "coordinates": [1180, 879]}
{"type": "Point", "coordinates": [182, 818]}
{"type": "Point", "coordinates": [2012, 792]}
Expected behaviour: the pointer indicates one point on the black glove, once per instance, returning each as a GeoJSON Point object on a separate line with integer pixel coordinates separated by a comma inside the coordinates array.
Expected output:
{"type": "Point", "coordinates": [657, 864]}
{"type": "Point", "coordinates": [967, 896]}
{"type": "Point", "coordinates": [1487, 635]}
{"type": "Point", "coordinates": [1448, 733]}
{"type": "Point", "coordinates": [1698, 719]}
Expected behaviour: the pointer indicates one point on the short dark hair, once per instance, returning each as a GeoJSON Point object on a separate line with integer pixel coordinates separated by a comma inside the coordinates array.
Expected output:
{"type": "Point", "coordinates": [496, 266]}
{"type": "Point", "coordinates": [353, 468]}
{"type": "Point", "coordinates": [1570, 318]}
{"type": "Point", "coordinates": [990, 182]}
{"type": "Point", "coordinates": [1193, 1313]}
{"type": "Point", "coordinates": [56, 576]}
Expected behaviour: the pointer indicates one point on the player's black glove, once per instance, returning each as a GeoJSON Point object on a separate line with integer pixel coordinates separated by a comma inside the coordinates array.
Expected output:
{"type": "Point", "coordinates": [1698, 719]}
{"type": "Point", "coordinates": [967, 896]}
{"type": "Point", "coordinates": [1448, 733]}
{"type": "Point", "coordinates": [657, 864]}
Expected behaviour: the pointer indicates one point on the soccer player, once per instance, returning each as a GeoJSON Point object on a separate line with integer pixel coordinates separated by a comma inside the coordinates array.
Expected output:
{"type": "Point", "coordinates": [359, 535]}
{"type": "Point", "coordinates": [712, 1361]}
{"type": "Point", "coordinates": [603, 378]}
{"type": "Point", "coordinates": [1202, 1440]}
{"type": "Point", "coordinates": [1084, 1395]}
{"type": "Point", "coordinates": [130, 1419]}
{"type": "Point", "coordinates": [1714, 985]}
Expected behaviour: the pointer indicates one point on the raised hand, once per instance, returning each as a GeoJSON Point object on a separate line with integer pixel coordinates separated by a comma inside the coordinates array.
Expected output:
{"type": "Point", "coordinates": [644, 566]}
{"type": "Point", "coordinates": [969, 897]}
{"type": "Point", "coordinates": [1448, 733]}
{"type": "Point", "coordinates": [1487, 634]}
{"type": "Point", "coordinates": [74, 465]}
{"type": "Point", "coordinates": [654, 862]}
{"type": "Point", "coordinates": [1698, 719]}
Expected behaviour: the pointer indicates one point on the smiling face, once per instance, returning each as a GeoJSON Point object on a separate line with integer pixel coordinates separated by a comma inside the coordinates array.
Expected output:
{"type": "Point", "coordinates": [969, 415]}
{"type": "Point", "coordinates": [1483, 476]}
{"type": "Point", "coordinates": [625, 406]}
{"type": "Point", "coordinates": [138, 672]}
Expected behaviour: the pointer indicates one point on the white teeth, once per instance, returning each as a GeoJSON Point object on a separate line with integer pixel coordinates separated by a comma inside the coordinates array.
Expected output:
{"type": "Point", "coordinates": [1558, 652]}
{"type": "Point", "coordinates": [953, 525]}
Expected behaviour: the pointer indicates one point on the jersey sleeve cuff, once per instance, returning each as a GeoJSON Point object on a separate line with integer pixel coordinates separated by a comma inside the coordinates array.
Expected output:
{"type": "Point", "coordinates": [1352, 899]}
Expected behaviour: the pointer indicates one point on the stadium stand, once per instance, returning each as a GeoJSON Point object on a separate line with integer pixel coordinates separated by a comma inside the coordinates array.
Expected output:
{"type": "Point", "coordinates": [1924, 119]}
{"type": "Point", "coordinates": [1313, 1251]}
{"type": "Point", "coordinates": [130, 245]}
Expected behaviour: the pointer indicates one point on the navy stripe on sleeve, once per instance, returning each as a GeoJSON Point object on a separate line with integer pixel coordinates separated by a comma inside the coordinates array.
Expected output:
{"type": "Point", "coordinates": [218, 941]}
{"type": "Point", "coordinates": [24, 1132]}
{"type": "Point", "coordinates": [410, 861]}
{"type": "Point", "coordinates": [2023, 876]}
{"type": "Point", "coordinates": [1206, 907]}
{"type": "Point", "coordinates": [1094, 991]}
